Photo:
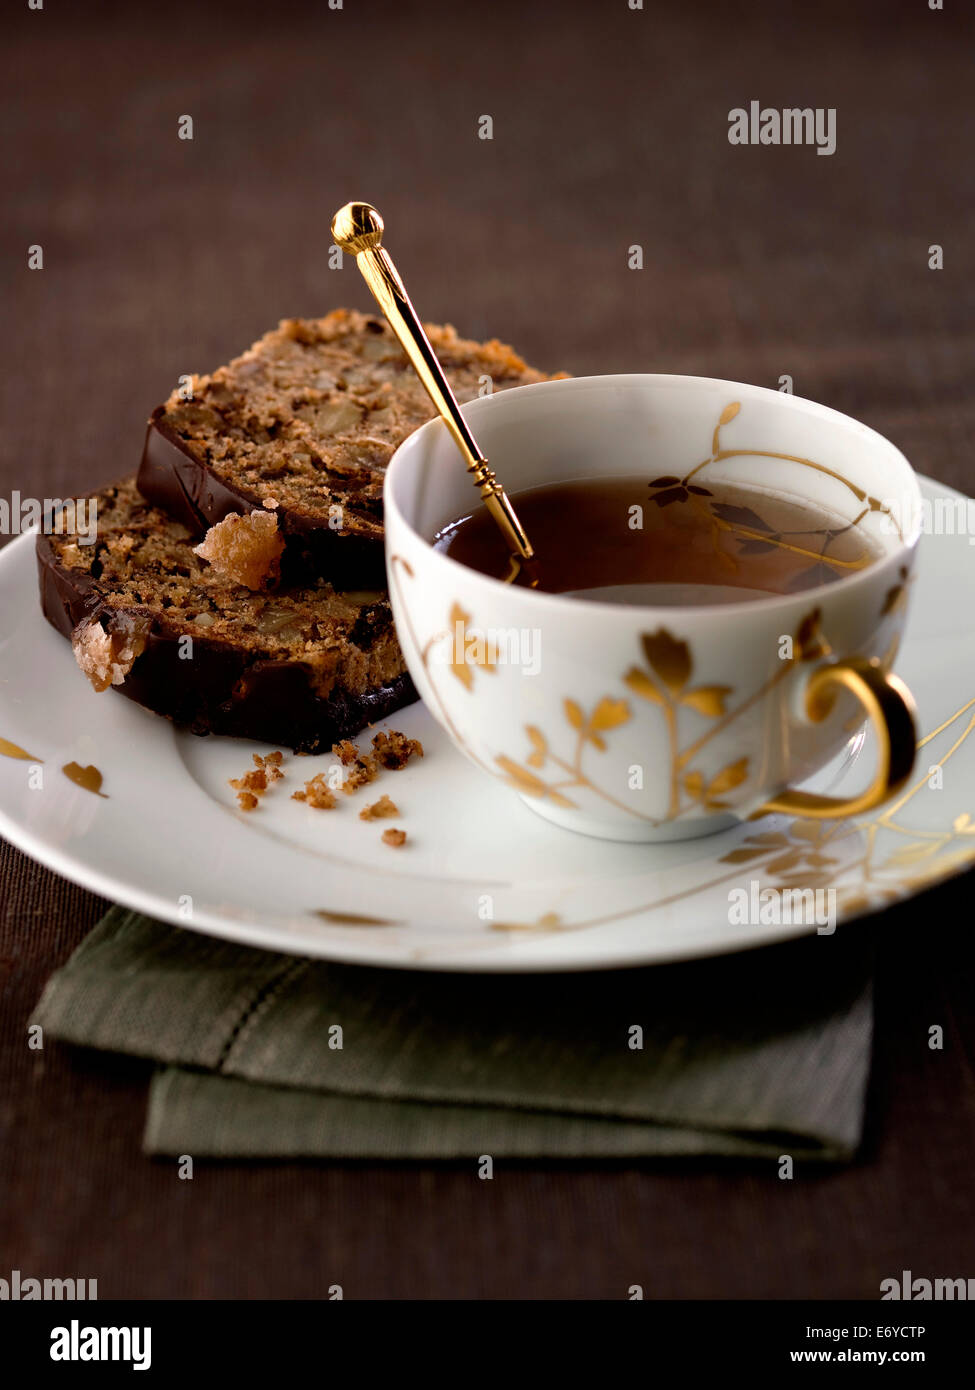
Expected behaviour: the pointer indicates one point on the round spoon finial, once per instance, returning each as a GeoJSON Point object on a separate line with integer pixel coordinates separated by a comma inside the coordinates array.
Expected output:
{"type": "Point", "coordinates": [357, 227]}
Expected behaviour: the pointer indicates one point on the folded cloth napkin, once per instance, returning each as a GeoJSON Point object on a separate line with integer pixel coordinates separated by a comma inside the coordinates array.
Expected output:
{"type": "Point", "coordinates": [268, 1056]}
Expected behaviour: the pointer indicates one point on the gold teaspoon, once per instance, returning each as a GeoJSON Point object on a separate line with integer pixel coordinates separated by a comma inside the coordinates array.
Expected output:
{"type": "Point", "coordinates": [358, 229]}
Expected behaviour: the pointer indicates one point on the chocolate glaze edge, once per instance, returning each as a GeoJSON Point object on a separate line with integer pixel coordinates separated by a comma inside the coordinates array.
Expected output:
{"type": "Point", "coordinates": [229, 693]}
{"type": "Point", "coordinates": [171, 477]}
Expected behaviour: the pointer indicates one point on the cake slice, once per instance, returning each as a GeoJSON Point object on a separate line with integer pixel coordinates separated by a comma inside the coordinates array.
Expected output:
{"type": "Point", "coordinates": [303, 667]}
{"type": "Point", "coordinates": [303, 426]}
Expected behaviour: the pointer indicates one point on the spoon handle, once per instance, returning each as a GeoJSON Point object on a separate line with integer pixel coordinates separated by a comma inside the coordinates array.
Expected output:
{"type": "Point", "coordinates": [358, 229]}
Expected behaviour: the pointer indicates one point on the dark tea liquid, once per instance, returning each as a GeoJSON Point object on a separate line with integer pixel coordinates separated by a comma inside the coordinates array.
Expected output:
{"type": "Point", "coordinates": [623, 540]}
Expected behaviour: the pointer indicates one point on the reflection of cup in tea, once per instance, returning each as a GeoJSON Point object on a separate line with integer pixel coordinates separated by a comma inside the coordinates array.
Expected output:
{"type": "Point", "coordinates": [664, 542]}
{"type": "Point", "coordinates": [722, 574]}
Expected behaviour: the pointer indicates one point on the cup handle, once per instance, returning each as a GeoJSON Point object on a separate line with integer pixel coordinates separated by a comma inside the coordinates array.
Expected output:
{"type": "Point", "coordinates": [890, 706]}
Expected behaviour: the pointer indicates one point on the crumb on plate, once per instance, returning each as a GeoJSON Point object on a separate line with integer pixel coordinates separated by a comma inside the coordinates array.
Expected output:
{"type": "Point", "coordinates": [379, 810]}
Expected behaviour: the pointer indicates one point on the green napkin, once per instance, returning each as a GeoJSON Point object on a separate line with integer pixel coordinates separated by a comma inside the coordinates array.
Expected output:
{"type": "Point", "coordinates": [756, 1055]}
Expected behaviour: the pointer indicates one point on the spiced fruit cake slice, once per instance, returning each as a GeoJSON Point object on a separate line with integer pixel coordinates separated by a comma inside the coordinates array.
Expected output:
{"type": "Point", "coordinates": [304, 667]}
{"type": "Point", "coordinates": [303, 426]}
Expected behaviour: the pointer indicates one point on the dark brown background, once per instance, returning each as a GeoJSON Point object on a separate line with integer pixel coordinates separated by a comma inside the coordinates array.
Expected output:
{"type": "Point", "coordinates": [164, 256]}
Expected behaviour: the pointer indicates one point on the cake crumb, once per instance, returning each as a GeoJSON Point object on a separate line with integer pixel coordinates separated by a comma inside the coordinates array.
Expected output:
{"type": "Point", "coordinates": [346, 752]}
{"type": "Point", "coordinates": [394, 750]}
{"type": "Point", "coordinates": [107, 657]}
{"type": "Point", "coordinates": [379, 810]}
{"type": "Point", "coordinates": [255, 782]}
{"type": "Point", "coordinates": [269, 765]}
{"type": "Point", "coordinates": [391, 751]}
{"type": "Point", "coordinates": [245, 549]}
{"type": "Point", "coordinates": [393, 837]}
{"type": "Point", "coordinates": [316, 793]}
{"type": "Point", "coordinates": [360, 774]}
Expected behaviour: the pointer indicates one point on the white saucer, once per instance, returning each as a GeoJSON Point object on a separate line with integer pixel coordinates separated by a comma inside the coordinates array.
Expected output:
{"type": "Point", "coordinates": [482, 883]}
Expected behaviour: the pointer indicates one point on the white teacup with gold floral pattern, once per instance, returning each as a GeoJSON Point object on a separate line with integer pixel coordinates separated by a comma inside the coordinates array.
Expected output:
{"type": "Point", "coordinates": [660, 722]}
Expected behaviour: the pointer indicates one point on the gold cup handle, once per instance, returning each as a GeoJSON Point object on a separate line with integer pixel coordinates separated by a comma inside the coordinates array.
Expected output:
{"type": "Point", "coordinates": [890, 706]}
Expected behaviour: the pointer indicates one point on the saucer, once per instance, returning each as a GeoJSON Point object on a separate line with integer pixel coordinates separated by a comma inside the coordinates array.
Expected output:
{"type": "Point", "coordinates": [482, 883]}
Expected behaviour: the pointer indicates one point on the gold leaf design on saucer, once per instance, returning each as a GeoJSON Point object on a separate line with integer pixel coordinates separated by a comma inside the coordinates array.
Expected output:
{"type": "Point", "coordinates": [799, 846]}
{"type": "Point", "coordinates": [353, 919]}
{"type": "Point", "coordinates": [806, 854]}
{"type": "Point", "coordinates": [88, 778]}
{"type": "Point", "coordinates": [859, 859]}
{"type": "Point", "coordinates": [820, 845]}
{"type": "Point", "coordinates": [549, 921]}
{"type": "Point", "coordinates": [13, 750]}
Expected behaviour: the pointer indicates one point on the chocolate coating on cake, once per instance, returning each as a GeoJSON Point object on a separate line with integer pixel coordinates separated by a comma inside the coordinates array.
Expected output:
{"type": "Point", "coordinates": [304, 424]}
{"type": "Point", "coordinates": [177, 481]}
{"type": "Point", "coordinates": [302, 668]}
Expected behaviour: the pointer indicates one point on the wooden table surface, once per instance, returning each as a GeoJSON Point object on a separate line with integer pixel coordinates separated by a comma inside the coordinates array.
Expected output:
{"type": "Point", "coordinates": [163, 256]}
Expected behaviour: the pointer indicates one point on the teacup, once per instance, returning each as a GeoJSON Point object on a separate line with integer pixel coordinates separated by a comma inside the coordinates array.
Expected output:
{"type": "Point", "coordinates": [659, 723]}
